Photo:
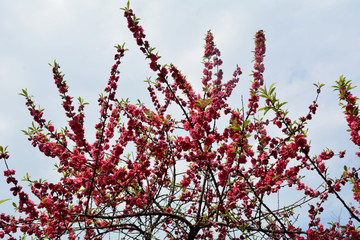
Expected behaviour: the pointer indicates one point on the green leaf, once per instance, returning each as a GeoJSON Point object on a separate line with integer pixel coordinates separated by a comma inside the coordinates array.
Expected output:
{"type": "Point", "coordinates": [282, 104]}
{"type": "Point", "coordinates": [24, 93]}
{"type": "Point", "coordinates": [271, 89]}
{"type": "Point", "coordinates": [3, 149]}
{"type": "Point", "coordinates": [199, 104]}
{"type": "Point", "coordinates": [1, 201]}
{"type": "Point", "coordinates": [208, 101]}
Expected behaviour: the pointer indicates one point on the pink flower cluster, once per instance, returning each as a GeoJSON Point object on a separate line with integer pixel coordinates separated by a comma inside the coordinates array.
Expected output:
{"type": "Point", "coordinates": [259, 68]}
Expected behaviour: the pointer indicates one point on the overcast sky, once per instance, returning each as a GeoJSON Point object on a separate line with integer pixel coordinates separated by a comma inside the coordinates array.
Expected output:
{"type": "Point", "coordinates": [307, 42]}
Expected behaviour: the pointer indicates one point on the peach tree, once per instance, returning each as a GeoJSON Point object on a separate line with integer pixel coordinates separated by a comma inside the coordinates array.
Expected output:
{"type": "Point", "coordinates": [153, 174]}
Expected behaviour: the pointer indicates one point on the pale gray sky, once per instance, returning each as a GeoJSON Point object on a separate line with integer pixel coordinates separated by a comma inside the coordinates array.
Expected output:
{"type": "Point", "coordinates": [307, 42]}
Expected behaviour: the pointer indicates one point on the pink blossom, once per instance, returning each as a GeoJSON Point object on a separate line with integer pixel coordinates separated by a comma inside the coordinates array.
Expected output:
{"type": "Point", "coordinates": [51, 128]}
